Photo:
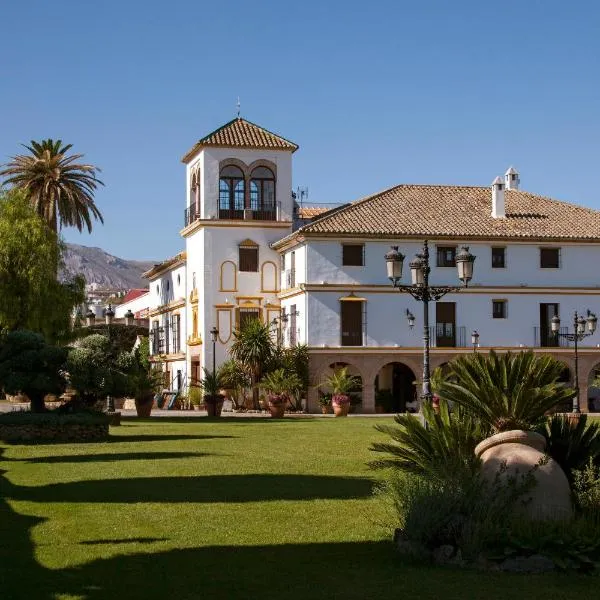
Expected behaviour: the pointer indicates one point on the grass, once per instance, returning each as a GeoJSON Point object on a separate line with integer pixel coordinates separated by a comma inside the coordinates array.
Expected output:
{"type": "Point", "coordinates": [230, 508]}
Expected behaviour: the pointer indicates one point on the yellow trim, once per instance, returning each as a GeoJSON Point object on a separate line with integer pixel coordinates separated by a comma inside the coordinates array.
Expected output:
{"type": "Point", "coordinates": [193, 227]}
{"type": "Point", "coordinates": [248, 243]}
{"type": "Point", "coordinates": [229, 306]}
{"type": "Point", "coordinates": [179, 303]}
{"type": "Point", "coordinates": [261, 316]}
{"type": "Point", "coordinates": [269, 305]}
{"type": "Point", "coordinates": [194, 341]}
{"type": "Point", "coordinates": [352, 298]}
{"type": "Point", "coordinates": [173, 357]}
{"type": "Point", "coordinates": [228, 311]}
{"type": "Point", "coordinates": [221, 288]}
{"type": "Point", "coordinates": [262, 283]}
{"type": "Point", "coordinates": [258, 298]}
{"type": "Point", "coordinates": [166, 265]}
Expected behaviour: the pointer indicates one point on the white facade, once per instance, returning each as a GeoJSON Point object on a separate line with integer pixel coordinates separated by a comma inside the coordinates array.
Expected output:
{"type": "Point", "coordinates": [138, 305]}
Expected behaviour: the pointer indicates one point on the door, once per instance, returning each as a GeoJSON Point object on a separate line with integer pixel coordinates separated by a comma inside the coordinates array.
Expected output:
{"type": "Point", "coordinates": [445, 324]}
{"type": "Point", "coordinates": [547, 311]}
{"type": "Point", "coordinates": [352, 323]}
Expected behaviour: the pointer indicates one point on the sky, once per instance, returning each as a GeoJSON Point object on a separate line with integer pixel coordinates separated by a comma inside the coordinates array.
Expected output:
{"type": "Point", "coordinates": [375, 93]}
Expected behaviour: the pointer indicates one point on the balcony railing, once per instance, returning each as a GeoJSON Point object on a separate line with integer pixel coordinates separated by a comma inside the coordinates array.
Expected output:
{"type": "Point", "coordinates": [290, 278]}
{"type": "Point", "coordinates": [544, 338]}
{"type": "Point", "coordinates": [439, 338]}
{"type": "Point", "coordinates": [267, 212]}
{"type": "Point", "coordinates": [191, 214]}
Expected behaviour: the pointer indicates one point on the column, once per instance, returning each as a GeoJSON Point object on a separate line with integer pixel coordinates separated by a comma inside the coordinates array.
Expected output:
{"type": "Point", "coordinates": [368, 396]}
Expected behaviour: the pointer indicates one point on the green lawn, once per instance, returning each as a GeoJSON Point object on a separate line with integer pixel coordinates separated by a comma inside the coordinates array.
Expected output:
{"type": "Point", "coordinates": [233, 508]}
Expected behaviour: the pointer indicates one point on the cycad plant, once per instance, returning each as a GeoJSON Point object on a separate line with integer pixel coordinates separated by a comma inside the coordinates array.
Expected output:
{"type": "Point", "coordinates": [442, 449]}
{"type": "Point", "coordinates": [253, 347]}
{"type": "Point", "coordinates": [60, 189]}
{"type": "Point", "coordinates": [506, 391]}
{"type": "Point", "coordinates": [341, 383]}
{"type": "Point", "coordinates": [280, 385]}
{"type": "Point", "coordinates": [572, 443]}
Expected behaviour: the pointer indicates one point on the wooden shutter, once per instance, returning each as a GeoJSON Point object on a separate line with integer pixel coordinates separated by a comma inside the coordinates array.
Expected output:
{"type": "Point", "coordinates": [249, 259]}
{"type": "Point", "coordinates": [352, 323]}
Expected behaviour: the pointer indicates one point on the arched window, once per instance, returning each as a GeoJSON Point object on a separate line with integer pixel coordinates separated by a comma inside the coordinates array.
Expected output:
{"type": "Point", "coordinates": [262, 192]}
{"type": "Point", "coordinates": [231, 193]}
{"type": "Point", "coordinates": [193, 211]}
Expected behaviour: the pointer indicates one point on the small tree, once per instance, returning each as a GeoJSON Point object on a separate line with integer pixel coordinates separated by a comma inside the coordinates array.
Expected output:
{"type": "Point", "coordinates": [30, 366]}
{"type": "Point", "coordinates": [237, 380]}
{"type": "Point", "coordinates": [142, 379]}
{"type": "Point", "coordinates": [93, 371]}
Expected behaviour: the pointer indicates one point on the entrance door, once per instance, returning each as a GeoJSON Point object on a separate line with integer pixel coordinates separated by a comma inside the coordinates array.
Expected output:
{"type": "Point", "coordinates": [403, 387]}
{"type": "Point", "coordinates": [445, 324]}
{"type": "Point", "coordinates": [195, 372]}
{"type": "Point", "coordinates": [547, 311]}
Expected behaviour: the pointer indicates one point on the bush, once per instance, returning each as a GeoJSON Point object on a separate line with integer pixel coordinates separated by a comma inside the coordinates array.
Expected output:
{"type": "Point", "coordinates": [53, 417]}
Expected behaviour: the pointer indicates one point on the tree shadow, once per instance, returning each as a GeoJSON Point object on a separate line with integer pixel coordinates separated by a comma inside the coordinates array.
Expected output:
{"type": "Point", "coordinates": [90, 458]}
{"type": "Point", "coordinates": [136, 540]}
{"type": "Point", "coordinates": [240, 420]}
{"type": "Point", "coordinates": [116, 439]}
{"type": "Point", "coordinates": [205, 489]}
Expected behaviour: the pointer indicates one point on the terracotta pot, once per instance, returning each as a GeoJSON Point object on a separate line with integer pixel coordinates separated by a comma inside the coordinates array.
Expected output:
{"type": "Point", "coordinates": [341, 410]}
{"type": "Point", "coordinates": [214, 405]}
{"type": "Point", "coordinates": [198, 407]}
{"type": "Point", "coordinates": [143, 408]}
{"type": "Point", "coordinates": [517, 453]}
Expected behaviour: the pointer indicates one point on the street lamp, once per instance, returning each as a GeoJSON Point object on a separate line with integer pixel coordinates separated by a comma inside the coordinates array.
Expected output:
{"type": "Point", "coordinates": [214, 334]}
{"type": "Point", "coordinates": [280, 322]}
{"type": "Point", "coordinates": [421, 291]}
{"type": "Point", "coordinates": [109, 314]}
{"type": "Point", "coordinates": [475, 340]}
{"type": "Point", "coordinates": [579, 333]}
{"type": "Point", "coordinates": [129, 317]}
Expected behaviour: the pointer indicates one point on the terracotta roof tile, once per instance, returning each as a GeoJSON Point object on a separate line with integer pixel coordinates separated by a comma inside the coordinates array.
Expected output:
{"type": "Point", "coordinates": [240, 133]}
{"type": "Point", "coordinates": [310, 212]}
{"type": "Point", "coordinates": [458, 211]}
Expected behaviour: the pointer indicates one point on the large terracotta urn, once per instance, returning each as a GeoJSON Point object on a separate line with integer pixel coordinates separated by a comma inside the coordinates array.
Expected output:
{"type": "Point", "coordinates": [523, 452]}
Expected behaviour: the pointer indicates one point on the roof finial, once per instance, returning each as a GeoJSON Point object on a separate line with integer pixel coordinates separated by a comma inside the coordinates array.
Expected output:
{"type": "Point", "coordinates": [238, 105]}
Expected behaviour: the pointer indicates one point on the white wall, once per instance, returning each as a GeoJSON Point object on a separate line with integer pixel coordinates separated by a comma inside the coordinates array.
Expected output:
{"type": "Point", "coordinates": [136, 305]}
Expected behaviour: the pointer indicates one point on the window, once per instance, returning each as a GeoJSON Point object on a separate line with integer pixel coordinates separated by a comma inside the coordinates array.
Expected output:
{"type": "Point", "coordinates": [231, 193]}
{"type": "Point", "coordinates": [175, 329]}
{"type": "Point", "coordinates": [351, 313]}
{"type": "Point", "coordinates": [499, 309]}
{"type": "Point", "coordinates": [246, 315]}
{"type": "Point", "coordinates": [262, 193]}
{"type": "Point", "coordinates": [498, 258]}
{"type": "Point", "coordinates": [248, 259]}
{"type": "Point", "coordinates": [178, 279]}
{"type": "Point", "coordinates": [446, 256]}
{"type": "Point", "coordinates": [549, 258]}
{"type": "Point", "coordinates": [168, 285]}
{"type": "Point", "coordinates": [293, 313]}
{"type": "Point", "coordinates": [353, 255]}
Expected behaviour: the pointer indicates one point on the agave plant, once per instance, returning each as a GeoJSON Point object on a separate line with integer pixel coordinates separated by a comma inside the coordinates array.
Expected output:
{"type": "Point", "coordinates": [506, 391]}
{"type": "Point", "coordinates": [572, 443]}
{"type": "Point", "coordinates": [442, 449]}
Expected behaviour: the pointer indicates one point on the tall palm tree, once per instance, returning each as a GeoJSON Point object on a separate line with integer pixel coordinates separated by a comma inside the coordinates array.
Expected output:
{"type": "Point", "coordinates": [60, 189]}
{"type": "Point", "coordinates": [253, 347]}
{"type": "Point", "coordinates": [506, 391]}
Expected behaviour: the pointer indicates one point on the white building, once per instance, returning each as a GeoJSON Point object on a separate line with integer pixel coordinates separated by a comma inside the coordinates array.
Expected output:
{"type": "Point", "coordinates": [243, 260]}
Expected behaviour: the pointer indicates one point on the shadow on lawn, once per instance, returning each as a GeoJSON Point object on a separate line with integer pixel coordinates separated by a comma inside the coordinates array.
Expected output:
{"type": "Point", "coordinates": [89, 458]}
{"type": "Point", "coordinates": [239, 420]}
{"type": "Point", "coordinates": [204, 488]}
{"type": "Point", "coordinates": [117, 439]}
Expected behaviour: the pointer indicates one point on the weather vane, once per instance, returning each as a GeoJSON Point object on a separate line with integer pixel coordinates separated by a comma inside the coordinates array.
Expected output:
{"type": "Point", "coordinates": [238, 105]}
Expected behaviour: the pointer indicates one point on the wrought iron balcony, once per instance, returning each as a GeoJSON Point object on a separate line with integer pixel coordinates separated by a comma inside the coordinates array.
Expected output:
{"type": "Point", "coordinates": [544, 338]}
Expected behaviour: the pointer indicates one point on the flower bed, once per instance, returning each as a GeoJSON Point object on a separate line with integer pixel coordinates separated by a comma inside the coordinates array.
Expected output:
{"type": "Point", "coordinates": [24, 426]}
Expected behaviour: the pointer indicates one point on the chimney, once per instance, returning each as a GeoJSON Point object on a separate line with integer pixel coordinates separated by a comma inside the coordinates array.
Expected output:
{"type": "Point", "coordinates": [498, 210]}
{"type": "Point", "coordinates": [511, 179]}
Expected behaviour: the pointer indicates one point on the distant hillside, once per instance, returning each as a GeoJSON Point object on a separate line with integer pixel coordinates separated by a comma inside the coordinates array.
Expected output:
{"type": "Point", "coordinates": [106, 270]}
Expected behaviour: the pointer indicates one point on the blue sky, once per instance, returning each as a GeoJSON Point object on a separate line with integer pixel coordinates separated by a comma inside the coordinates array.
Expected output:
{"type": "Point", "coordinates": [375, 94]}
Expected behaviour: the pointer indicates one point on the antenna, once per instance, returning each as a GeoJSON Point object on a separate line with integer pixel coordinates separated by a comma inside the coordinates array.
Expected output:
{"type": "Point", "coordinates": [238, 106]}
{"type": "Point", "coordinates": [302, 194]}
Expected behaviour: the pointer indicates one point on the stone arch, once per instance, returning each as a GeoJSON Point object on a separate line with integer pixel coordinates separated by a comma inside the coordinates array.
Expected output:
{"type": "Point", "coordinates": [593, 390]}
{"type": "Point", "coordinates": [396, 388]}
{"type": "Point", "coordinates": [262, 162]}
{"type": "Point", "coordinates": [236, 162]}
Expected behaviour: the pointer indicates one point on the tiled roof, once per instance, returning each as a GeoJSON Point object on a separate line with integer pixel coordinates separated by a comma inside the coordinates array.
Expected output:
{"type": "Point", "coordinates": [133, 294]}
{"type": "Point", "coordinates": [240, 133]}
{"type": "Point", "coordinates": [165, 265]}
{"type": "Point", "coordinates": [310, 212]}
{"type": "Point", "coordinates": [458, 211]}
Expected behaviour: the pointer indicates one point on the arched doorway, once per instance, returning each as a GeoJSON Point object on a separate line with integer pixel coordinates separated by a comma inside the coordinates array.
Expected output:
{"type": "Point", "coordinates": [395, 389]}
{"type": "Point", "coordinates": [567, 379]}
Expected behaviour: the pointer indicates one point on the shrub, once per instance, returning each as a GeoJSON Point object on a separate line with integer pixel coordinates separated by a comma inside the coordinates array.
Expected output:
{"type": "Point", "coordinates": [53, 417]}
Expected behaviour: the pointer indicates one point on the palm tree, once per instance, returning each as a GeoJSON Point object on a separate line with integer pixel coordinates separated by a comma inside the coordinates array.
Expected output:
{"type": "Point", "coordinates": [254, 348]}
{"type": "Point", "coordinates": [506, 391]}
{"type": "Point", "coordinates": [60, 189]}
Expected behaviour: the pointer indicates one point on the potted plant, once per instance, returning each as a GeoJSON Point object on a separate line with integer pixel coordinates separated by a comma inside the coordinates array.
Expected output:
{"type": "Point", "coordinates": [195, 398]}
{"type": "Point", "coordinates": [510, 394]}
{"type": "Point", "coordinates": [325, 402]}
{"type": "Point", "coordinates": [279, 386]}
{"type": "Point", "coordinates": [341, 384]}
{"type": "Point", "coordinates": [211, 386]}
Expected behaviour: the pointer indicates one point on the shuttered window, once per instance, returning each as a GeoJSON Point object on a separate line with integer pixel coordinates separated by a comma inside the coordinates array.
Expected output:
{"type": "Point", "coordinates": [353, 255]}
{"type": "Point", "coordinates": [246, 315]}
{"type": "Point", "coordinates": [550, 258]}
{"type": "Point", "coordinates": [248, 259]}
{"type": "Point", "coordinates": [351, 322]}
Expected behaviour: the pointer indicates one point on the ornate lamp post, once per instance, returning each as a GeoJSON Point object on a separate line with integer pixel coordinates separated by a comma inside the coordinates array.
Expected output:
{"type": "Point", "coordinates": [475, 340]}
{"type": "Point", "coordinates": [129, 317]}
{"type": "Point", "coordinates": [421, 290]}
{"type": "Point", "coordinates": [109, 314]}
{"type": "Point", "coordinates": [214, 334]}
{"type": "Point", "coordinates": [579, 333]}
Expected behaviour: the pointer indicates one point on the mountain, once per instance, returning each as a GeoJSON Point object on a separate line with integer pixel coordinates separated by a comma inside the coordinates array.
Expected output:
{"type": "Point", "coordinates": [103, 269]}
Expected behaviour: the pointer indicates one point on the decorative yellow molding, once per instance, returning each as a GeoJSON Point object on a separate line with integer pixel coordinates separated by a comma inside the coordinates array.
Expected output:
{"type": "Point", "coordinates": [275, 289]}
{"type": "Point", "coordinates": [179, 303]}
{"type": "Point", "coordinates": [194, 296]}
{"type": "Point", "coordinates": [222, 288]}
{"type": "Point", "coordinates": [194, 341]}
{"type": "Point", "coordinates": [248, 243]}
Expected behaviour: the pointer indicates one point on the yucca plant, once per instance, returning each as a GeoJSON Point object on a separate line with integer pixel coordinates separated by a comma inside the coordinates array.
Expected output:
{"type": "Point", "coordinates": [341, 383]}
{"type": "Point", "coordinates": [280, 385]}
{"type": "Point", "coordinates": [506, 391]}
{"type": "Point", "coordinates": [572, 443]}
{"type": "Point", "coordinates": [441, 449]}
